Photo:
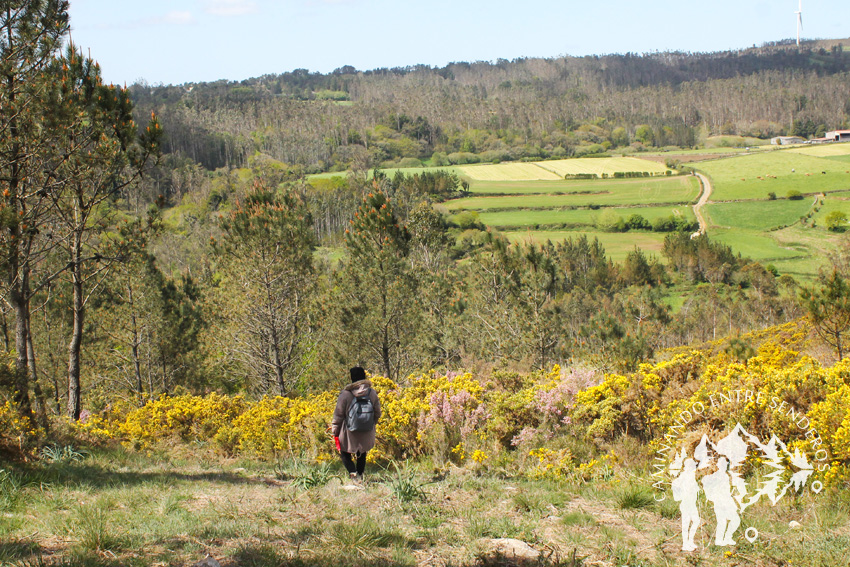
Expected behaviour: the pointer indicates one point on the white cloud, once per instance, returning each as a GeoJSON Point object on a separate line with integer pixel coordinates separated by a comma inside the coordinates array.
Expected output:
{"type": "Point", "coordinates": [231, 7]}
{"type": "Point", "coordinates": [173, 18]}
{"type": "Point", "coordinates": [178, 18]}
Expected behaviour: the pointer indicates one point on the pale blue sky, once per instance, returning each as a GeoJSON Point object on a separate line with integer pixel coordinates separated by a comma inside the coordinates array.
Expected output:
{"type": "Point", "coordinates": [177, 41]}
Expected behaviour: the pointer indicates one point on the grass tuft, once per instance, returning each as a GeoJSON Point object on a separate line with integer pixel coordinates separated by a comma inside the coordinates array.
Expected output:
{"type": "Point", "coordinates": [361, 535]}
{"type": "Point", "coordinates": [93, 528]}
{"type": "Point", "coordinates": [578, 518]}
{"type": "Point", "coordinates": [405, 487]}
{"type": "Point", "coordinates": [634, 497]}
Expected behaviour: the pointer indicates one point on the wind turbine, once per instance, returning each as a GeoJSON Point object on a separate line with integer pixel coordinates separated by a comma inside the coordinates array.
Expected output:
{"type": "Point", "coordinates": [799, 13]}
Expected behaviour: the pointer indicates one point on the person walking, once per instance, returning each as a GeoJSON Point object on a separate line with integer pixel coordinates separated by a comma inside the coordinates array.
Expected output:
{"type": "Point", "coordinates": [357, 411]}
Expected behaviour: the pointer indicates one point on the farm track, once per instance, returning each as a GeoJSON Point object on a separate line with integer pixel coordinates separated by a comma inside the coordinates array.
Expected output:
{"type": "Point", "coordinates": [703, 199]}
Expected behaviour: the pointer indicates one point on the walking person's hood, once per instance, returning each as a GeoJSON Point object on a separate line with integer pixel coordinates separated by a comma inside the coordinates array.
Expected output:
{"type": "Point", "coordinates": [359, 388]}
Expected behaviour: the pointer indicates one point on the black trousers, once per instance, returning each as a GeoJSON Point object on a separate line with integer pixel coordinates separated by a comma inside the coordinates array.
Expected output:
{"type": "Point", "coordinates": [348, 461]}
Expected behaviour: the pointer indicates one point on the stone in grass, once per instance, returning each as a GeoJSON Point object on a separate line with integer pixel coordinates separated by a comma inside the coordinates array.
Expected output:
{"type": "Point", "coordinates": [517, 551]}
{"type": "Point", "coordinates": [793, 524]}
{"type": "Point", "coordinates": [209, 561]}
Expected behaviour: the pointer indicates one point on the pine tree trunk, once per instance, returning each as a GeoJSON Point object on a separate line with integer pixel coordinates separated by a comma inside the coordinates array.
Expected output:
{"type": "Point", "coordinates": [18, 273]}
{"type": "Point", "coordinates": [40, 400]}
{"type": "Point", "coordinates": [22, 390]}
{"type": "Point", "coordinates": [137, 367]}
{"type": "Point", "coordinates": [74, 390]}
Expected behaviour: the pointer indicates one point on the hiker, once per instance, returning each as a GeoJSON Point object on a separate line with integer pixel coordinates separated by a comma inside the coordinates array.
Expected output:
{"type": "Point", "coordinates": [353, 426]}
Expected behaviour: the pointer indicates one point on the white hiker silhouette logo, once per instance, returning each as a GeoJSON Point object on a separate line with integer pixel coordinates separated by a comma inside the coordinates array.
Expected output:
{"type": "Point", "coordinates": [725, 488]}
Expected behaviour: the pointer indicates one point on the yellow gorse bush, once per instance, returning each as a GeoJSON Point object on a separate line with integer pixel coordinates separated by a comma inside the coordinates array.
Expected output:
{"type": "Point", "coordinates": [275, 425]}
{"type": "Point", "coordinates": [186, 418]}
{"type": "Point", "coordinates": [462, 418]}
{"type": "Point", "coordinates": [16, 431]}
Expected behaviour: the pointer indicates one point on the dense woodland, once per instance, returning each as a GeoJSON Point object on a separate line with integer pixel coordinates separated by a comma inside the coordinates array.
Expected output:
{"type": "Point", "coordinates": [483, 111]}
{"type": "Point", "coordinates": [185, 250]}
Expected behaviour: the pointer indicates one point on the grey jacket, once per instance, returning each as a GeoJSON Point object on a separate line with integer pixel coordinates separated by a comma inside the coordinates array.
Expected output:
{"type": "Point", "coordinates": [354, 441]}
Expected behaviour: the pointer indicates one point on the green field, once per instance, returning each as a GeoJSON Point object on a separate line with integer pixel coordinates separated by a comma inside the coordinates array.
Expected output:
{"type": "Point", "coordinates": [758, 215]}
{"type": "Point", "coordinates": [796, 251]}
{"type": "Point", "coordinates": [833, 202]}
{"type": "Point", "coordinates": [616, 244]}
{"type": "Point", "coordinates": [756, 245]}
{"type": "Point", "coordinates": [557, 169]}
{"type": "Point", "coordinates": [518, 196]}
{"type": "Point", "coordinates": [678, 189]}
{"type": "Point", "coordinates": [738, 177]}
{"type": "Point", "coordinates": [825, 150]}
{"type": "Point", "coordinates": [682, 189]}
{"type": "Point", "coordinates": [531, 218]}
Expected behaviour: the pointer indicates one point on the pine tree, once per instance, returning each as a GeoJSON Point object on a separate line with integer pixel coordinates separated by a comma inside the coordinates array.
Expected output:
{"type": "Point", "coordinates": [267, 265]}
{"type": "Point", "coordinates": [31, 33]}
{"type": "Point", "coordinates": [374, 312]}
{"type": "Point", "coordinates": [100, 151]}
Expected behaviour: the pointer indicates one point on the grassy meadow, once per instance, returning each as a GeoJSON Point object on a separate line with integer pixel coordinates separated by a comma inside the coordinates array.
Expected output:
{"type": "Point", "coordinates": [121, 508]}
{"type": "Point", "coordinates": [758, 215]}
{"type": "Point", "coordinates": [603, 192]}
{"type": "Point", "coordinates": [754, 176]}
{"type": "Point", "coordinates": [533, 200]}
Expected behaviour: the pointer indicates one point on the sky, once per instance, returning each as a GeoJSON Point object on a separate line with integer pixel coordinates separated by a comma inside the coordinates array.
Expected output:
{"type": "Point", "coordinates": [185, 41]}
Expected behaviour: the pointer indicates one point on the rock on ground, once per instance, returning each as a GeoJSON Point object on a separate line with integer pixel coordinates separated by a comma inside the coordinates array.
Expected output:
{"type": "Point", "coordinates": [511, 549]}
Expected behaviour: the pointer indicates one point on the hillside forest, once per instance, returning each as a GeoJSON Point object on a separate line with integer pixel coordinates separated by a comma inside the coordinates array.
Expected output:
{"type": "Point", "coordinates": [188, 272]}
{"type": "Point", "coordinates": [160, 240]}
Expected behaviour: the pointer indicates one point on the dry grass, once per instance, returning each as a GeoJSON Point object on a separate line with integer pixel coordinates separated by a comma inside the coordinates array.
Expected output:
{"type": "Point", "coordinates": [119, 508]}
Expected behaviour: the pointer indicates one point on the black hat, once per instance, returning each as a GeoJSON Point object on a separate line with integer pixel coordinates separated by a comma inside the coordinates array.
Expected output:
{"type": "Point", "coordinates": [357, 374]}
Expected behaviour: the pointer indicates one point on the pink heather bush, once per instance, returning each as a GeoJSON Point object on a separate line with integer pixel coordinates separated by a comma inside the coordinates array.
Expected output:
{"type": "Point", "coordinates": [451, 423]}
{"type": "Point", "coordinates": [552, 404]}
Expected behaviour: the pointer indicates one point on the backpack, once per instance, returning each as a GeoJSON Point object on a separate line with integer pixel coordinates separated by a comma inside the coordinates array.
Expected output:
{"type": "Point", "coordinates": [361, 413]}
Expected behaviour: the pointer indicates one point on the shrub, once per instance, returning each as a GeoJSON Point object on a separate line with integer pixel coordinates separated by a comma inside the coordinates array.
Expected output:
{"type": "Point", "coordinates": [409, 162]}
{"type": "Point", "coordinates": [794, 195]}
{"type": "Point", "coordinates": [462, 158]}
{"type": "Point", "coordinates": [836, 221]}
{"type": "Point", "coordinates": [638, 222]}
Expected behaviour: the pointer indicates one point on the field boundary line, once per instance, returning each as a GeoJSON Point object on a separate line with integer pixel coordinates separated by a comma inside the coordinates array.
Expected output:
{"type": "Point", "coordinates": [552, 171]}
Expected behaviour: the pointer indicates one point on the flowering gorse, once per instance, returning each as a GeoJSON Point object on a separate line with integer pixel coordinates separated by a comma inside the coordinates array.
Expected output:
{"type": "Point", "coordinates": [507, 419]}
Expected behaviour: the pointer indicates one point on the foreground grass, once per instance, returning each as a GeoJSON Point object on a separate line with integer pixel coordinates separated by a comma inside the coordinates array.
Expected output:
{"type": "Point", "coordinates": [125, 508]}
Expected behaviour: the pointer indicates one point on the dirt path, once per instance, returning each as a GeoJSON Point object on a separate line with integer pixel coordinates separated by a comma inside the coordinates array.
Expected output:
{"type": "Point", "coordinates": [703, 199]}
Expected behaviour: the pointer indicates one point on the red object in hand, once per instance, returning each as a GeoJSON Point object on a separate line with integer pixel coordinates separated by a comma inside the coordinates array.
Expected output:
{"type": "Point", "coordinates": [336, 442]}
